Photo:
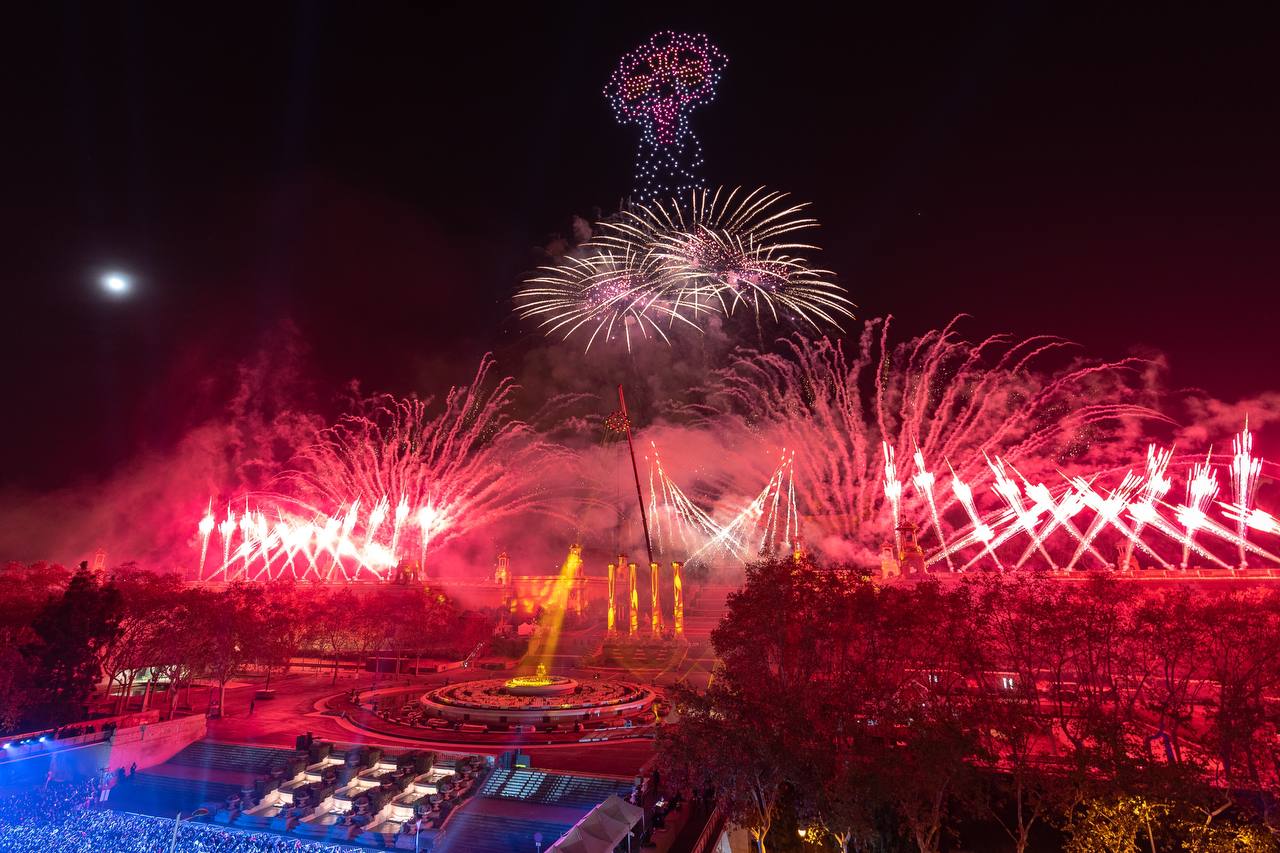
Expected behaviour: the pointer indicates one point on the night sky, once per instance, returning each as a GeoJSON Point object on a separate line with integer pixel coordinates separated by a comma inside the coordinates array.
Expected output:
{"type": "Point", "coordinates": [381, 175]}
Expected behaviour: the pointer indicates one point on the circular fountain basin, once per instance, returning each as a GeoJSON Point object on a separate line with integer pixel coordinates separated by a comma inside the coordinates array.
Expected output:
{"type": "Point", "coordinates": [537, 699]}
{"type": "Point", "coordinates": [540, 685]}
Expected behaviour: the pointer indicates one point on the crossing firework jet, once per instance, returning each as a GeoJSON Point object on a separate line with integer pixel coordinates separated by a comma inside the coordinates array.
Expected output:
{"type": "Point", "coordinates": [845, 412]}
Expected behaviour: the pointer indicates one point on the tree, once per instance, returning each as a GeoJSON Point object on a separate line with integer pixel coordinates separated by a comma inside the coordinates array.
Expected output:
{"type": "Point", "coordinates": [71, 633]}
{"type": "Point", "coordinates": [146, 596]}
{"type": "Point", "coordinates": [331, 615]}
{"type": "Point", "coordinates": [25, 590]}
{"type": "Point", "coordinates": [1116, 825]}
{"type": "Point", "coordinates": [722, 743]}
{"type": "Point", "coordinates": [227, 625]}
{"type": "Point", "coordinates": [281, 626]}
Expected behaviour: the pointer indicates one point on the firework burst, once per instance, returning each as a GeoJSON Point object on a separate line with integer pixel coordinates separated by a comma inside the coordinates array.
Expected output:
{"type": "Point", "coordinates": [608, 295]}
{"type": "Point", "coordinates": [734, 250]}
{"type": "Point", "coordinates": [659, 266]}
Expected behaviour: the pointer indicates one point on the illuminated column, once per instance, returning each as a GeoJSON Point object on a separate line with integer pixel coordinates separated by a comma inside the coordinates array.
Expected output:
{"type": "Point", "coordinates": [633, 604]}
{"type": "Point", "coordinates": [678, 599]}
{"type": "Point", "coordinates": [612, 624]}
{"type": "Point", "coordinates": [577, 581]}
{"type": "Point", "coordinates": [655, 613]}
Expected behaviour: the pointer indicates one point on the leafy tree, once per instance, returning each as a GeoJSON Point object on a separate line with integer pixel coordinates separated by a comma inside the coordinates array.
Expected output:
{"type": "Point", "coordinates": [281, 626]}
{"type": "Point", "coordinates": [226, 623]}
{"type": "Point", "coordinates": [146, 597]}
{"type": "Point", "coordinates": [723, 743]}
{"type": "Point", "coordinates": [71, 633]}
{"type": "Point", "coordinates": [1116, 825]}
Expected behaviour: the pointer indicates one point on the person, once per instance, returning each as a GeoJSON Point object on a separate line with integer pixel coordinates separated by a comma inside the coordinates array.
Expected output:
{"type": "Point", "coordinates": [133, 768]}
{"type": "Point", "coordinates": [251, 704]}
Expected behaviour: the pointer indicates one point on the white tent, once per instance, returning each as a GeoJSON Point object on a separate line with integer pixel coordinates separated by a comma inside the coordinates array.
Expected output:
{"type": "Point", "coordinates": [601, 829]}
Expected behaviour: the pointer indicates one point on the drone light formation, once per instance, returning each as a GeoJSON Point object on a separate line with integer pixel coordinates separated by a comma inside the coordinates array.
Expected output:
{"type": "Point", "coordinates": [656, 87]}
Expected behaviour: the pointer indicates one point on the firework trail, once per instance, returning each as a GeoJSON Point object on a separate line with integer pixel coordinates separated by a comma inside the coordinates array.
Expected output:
{"type": "Point", "coordinates": [1245, 469]}
{"type": "Point", "coordinates": [1061, 511]}
{"type": "Point", "coordinates": [1106, 509]}
{"type": "Point", "coordinates": [672, 510]}
{"type": "Point", "coordinates": [447, 472]}
{"type": "Point", "coordinates": [980, 532]}
{"type": "Point", "coordinates": [1155, 486]}
{"type": "Point", "coordinates": [893, 493]}
{"type": "Point", "coordinates": [939, 394]}
{"type": "Point", "coordinates": [923, 481]}
{"type": "Point", "coordinates": [205, 528]}
{"type": "Point", "coordinates": [1011, 494]}
{"type": "Point", "coordinates": [1202, 488]}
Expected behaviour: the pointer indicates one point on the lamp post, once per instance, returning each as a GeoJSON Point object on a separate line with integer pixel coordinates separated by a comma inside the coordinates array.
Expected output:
{"type": "Point", "coordinates": [177, 821]}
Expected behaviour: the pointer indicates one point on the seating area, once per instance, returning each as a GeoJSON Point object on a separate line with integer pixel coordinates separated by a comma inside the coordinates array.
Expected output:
{"type": "Point", "coordinates": [552, 789]}
{"type": "Point", "coordinates": [361, 796]}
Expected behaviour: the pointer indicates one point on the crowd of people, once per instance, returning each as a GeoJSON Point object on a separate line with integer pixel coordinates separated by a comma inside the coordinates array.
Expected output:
{"type": "Point", "coordinates": [63, 818]}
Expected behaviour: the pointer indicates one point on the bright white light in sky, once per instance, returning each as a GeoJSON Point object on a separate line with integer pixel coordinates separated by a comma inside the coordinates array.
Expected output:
{"type": "Point", "coordinates": [116, 282]}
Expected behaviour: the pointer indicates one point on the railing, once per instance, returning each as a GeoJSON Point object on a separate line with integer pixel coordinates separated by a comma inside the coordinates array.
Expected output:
{"type": "Point", "coordinates": [710, 832]}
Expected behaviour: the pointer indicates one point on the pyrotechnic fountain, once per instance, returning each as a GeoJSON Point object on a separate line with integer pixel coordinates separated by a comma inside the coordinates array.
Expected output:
{"type": "Point", "coordinates": [446, 474]}
{"type": "Point", "coordinates": [1139, 499]}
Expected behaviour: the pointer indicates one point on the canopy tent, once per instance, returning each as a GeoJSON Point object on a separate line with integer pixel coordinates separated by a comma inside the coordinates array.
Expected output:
{"type": "Point", "coordinates": [601, 829]}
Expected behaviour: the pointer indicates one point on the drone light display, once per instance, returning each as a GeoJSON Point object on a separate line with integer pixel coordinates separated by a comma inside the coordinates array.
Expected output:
{"type": "Point", "coordinates": [657, 86]}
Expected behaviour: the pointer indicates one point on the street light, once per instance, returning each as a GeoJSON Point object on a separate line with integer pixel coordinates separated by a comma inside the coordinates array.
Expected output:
{"type": "Point", "coordinates": [177, 821]}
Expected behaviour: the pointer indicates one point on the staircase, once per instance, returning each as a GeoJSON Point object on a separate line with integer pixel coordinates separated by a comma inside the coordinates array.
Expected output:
{"type": "Point", "coordinates": [257, 760]}
{"type": "Point", "coordinates": [705, 610]}
{"type": "Point", "coordinates": [165, 796]}
{"type": "Point", "coordinates": [553, 789]}
{"type": "Point", "coordinates": [474, 833]}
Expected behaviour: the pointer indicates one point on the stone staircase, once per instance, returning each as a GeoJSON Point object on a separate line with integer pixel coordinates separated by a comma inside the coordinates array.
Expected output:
{"type": "Point", "coordinates": [165, 796]}
{"type": "Point", "coordinates": [477, 833]}
{"type": "Point", "coordinates": [255, 760]}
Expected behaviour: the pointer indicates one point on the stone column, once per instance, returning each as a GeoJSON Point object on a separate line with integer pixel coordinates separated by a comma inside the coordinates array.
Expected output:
{"type": "Point", "coordinates": [677, 608]}
{"type": "Point", "coordinates": [655, 613]}
{"type": "Point", "coordinates": [633, 603]}
{"type": "Point", "coordinates": [612, 624]}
